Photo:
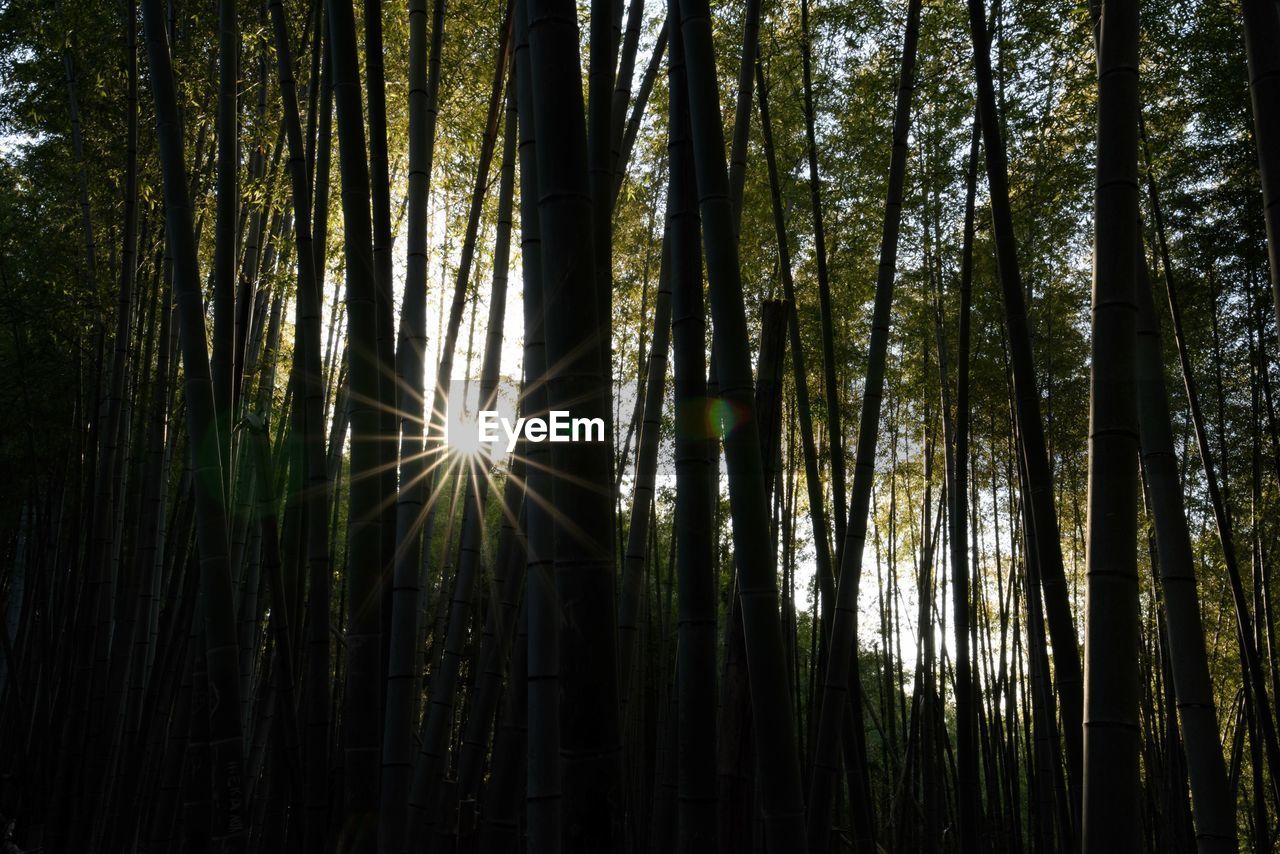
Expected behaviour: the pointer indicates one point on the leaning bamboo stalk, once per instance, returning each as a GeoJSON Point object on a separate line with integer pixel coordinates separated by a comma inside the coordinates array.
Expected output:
{"type": "Point", "coordinates": [226, 741]}
{"type": "Point", "coordinates": [1256, 691]}
{"type": "Point", "coordinates": [1061, 624]}
{"type": "Point", "coordinates": [436, 425]}
{"type": "Point", "coordinates": [799, 376]}
{"type": "Point", "coordinates": [637, 112]}
{"type": "Point", "coordinates": [841, 662]}
{"type": "Point", "coordinates": [757, 588]}
{"type": "Point", "coordinates": [380, 186]}
{"type": "Point", "coordinates": [109, 673]}
{"type": "Point", "coordinates": [622, 86]}
{"type": "Point", "coordinates": [646, 474]}
{"type": "Point", "coordinates": [742, 109]}
{"type": "Point", "coordinates": [1213, 812]}
{"type": "Point", "coordinates": [311, 409]}
{"type": "Point", "coordinates": [831, 388]}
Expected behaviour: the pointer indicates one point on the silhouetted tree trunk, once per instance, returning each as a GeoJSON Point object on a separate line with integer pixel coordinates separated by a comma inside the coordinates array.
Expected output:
{"type": "Point", "coordinates": [742, 110]}
{"type": "Point", "coordinates": [544, 801]}
{"type": "Point", "coordinates": [403, 656]}
{"type": "Point", "coordinates": [1066, 672]}
{"type": "Point", "coordinates": [320, 558]}
{"type": "Point", "coordinates": [311, 389]}
{"type": "Point", "coordinates": [226, 250]}
{"type": "Point", "coordinates": [628, 136]}
{"type": "Point", "coordinates": [800, 383]}
{"type": "Point", "coordinates": [577, 341]}
{"type": "Point", "coordinates": [1256, 696]}
{"type": "Point", "coordinates": [1262, 47]}
{"type": "Point", "coordinates": [831, 387]}
{"type": "Point", "coordinates": [1214, 818]}
{"type": "Point", "coordinates": [1112, 791]}
{"type": "Point", "coordinates": [646, 474]}
{"type": "Point", "coordinates": [226, 745]}
{"type": "Point", "coordinates": [362, 690]}
{"type": "Point", "coordinates": [967, 782]}
{"type": "Point", "coordinates": [780, 787]}
{"type": "Point", "coordinates": [1213, 811]}
{"type": "Point", "coordinates": [695, 489]}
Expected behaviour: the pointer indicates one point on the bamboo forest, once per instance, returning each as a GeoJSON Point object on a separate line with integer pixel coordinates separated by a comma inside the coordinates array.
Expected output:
{"type": "Point", "coordinates": [639, 426]}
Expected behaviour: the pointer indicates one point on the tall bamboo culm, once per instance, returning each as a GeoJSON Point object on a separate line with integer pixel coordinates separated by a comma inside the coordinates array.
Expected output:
{"type": "Point", "coordinates": [1111, 730]}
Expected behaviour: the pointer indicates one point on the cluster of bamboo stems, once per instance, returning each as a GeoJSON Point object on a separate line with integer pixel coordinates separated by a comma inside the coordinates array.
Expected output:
{"type": "Point", "coordinates": [267, 609]}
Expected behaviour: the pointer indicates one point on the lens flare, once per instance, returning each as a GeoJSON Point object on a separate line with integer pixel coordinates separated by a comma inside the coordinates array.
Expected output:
{"type": "Point", "coordinates": [463, 438]}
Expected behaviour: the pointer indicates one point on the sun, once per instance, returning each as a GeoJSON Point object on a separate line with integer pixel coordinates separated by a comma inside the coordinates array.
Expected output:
{"type": "Point", "coordinates": [463, 436]}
